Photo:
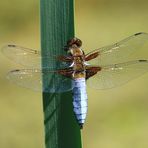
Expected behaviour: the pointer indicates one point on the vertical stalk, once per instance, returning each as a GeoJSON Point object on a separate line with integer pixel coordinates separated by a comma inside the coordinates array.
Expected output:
{"type": "Point", "coordinates": [57, 26]}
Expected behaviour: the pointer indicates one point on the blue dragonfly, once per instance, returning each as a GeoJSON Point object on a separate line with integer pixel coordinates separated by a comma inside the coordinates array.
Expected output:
{"type": "Point", "coordinates": [103, 68]}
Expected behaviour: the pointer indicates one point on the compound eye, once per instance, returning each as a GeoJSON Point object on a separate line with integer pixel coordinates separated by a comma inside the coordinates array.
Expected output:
{"type": "Point", "coordinates": [75, 41]}
{"type": "Point", "coordinates": [78, 43]}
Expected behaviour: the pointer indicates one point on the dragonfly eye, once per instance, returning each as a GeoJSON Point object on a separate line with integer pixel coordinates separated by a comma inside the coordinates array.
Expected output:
{"type": "Point", "coordinates": [78, 42]}
{"type": "Point", "coordinates": [74, 41]}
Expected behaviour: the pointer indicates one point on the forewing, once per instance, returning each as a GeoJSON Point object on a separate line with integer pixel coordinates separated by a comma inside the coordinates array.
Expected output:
{"type": "Point", "coordinates": [37, 80]}
{"type": "Point", "coordinates": [21, 55]}
{"type": "Point", "coordinates": [120, 51]}
{"type": "Point", "coordinates": [32, 58]}
{"type": "Point", "coordinates": [117, 74]}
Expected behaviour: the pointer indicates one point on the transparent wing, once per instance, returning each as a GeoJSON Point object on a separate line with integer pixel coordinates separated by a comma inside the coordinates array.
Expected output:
{"type": "Point", "coordinates": [117, 74]}
{"type": "Point", "coordinates": [120, 51]}
{"type": "Point", "coordinates": [22, 55]}
{"type": "Point", "coordinates": [37, 80]}
{"type": "Point", "coordinates": [32, 58]}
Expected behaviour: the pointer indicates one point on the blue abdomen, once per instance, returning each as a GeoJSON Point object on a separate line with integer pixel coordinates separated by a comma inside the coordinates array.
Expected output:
{"type": "Point", "coordinates": [80, 100]}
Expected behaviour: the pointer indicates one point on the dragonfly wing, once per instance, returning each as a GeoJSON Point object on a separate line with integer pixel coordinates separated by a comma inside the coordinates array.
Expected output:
{"type": "Point", "coordinates": [120, 51]}
{"type": "Point", "coordinates": [22, 55]}
{"type": "Point", "coordinates": [117, 74]}
{"type": "Point", "coordinates": [37, 80]}
{"type": "Point", "coordinates": [32, 58]}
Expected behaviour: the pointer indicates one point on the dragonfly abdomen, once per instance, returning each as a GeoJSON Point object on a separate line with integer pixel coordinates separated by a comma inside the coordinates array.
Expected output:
{"type": "Point", "coordinates": [80, 100]}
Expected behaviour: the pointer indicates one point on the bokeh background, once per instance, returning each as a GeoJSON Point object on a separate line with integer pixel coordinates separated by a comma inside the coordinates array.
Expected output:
{"type": "Point", "coordinates": [117, 118]}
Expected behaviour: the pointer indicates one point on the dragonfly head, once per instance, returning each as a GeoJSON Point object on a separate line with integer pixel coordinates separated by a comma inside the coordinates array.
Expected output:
{"type": "Point", "coordinates": [73, 43]}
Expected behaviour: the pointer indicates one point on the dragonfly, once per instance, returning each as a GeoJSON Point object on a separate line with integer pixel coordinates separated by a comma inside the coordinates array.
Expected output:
{"type": "Point", "coordinates": [102, 68]}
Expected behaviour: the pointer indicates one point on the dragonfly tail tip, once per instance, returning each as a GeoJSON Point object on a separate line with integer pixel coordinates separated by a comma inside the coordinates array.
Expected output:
{"type": "Point", "coordinates": [81, 125]}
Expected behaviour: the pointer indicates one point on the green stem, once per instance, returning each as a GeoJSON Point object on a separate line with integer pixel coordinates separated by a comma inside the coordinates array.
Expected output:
{"type": "Point", "coordinates": [57, 26]}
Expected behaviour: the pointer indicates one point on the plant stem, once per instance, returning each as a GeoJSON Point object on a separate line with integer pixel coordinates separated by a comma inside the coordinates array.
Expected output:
{"type": "Point", "coordinates": [57, 26]}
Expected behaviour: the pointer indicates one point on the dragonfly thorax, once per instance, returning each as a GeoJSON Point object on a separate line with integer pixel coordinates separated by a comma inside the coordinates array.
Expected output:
{"type": "Point", "coordinates": [78, 63]}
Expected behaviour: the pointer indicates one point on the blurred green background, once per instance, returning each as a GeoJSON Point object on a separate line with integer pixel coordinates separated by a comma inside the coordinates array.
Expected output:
{"type": "Point", "coordinates": [117, 118]}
